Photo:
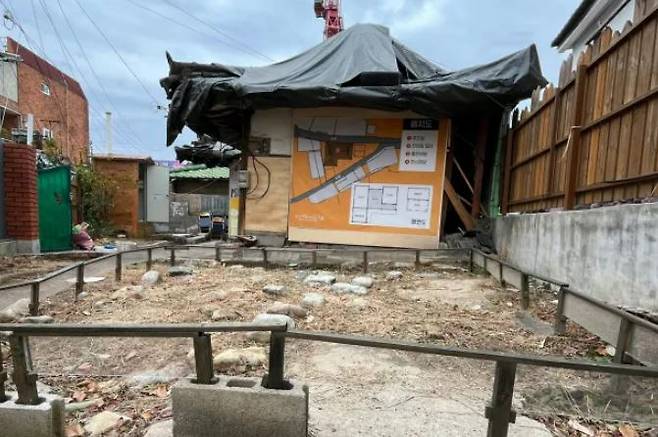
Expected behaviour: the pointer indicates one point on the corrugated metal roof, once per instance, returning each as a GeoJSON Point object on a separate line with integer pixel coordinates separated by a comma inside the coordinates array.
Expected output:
{"type": "Point", "coordinates": [199, 172]}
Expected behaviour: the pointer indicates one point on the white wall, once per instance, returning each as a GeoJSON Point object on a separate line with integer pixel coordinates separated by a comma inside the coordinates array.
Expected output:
{"type": "Point", "coordinates": [275, 124]}
{"type": "Point", "coordinates": [610, 253]}
{"type": "Point", "coordinates": [604, 12]}
{"type": "Point", "coordinates": [8, 82]}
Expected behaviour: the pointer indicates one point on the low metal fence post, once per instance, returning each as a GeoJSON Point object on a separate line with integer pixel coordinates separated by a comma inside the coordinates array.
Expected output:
{"type": "Point", "coordinates": [314, 258]}
{"type": "Point", "coordinates": [149, 259]}
{"type": "Point", "coordinates": [417, 262]}
{"type": "Point", "coordinates": [274, 378]}
{"type": "Point", "coordinates": [34, 299]}
{"type": "Point", "coordinates": [365, 261]}
{"type": "Point", "coordinates": [499, 412]}
{"type": "Point", "coordinates": [218, 253]}
{"type": "Point", "coordinates": [80, 281]}
{"type": "Point", "coordinates": [172, 257]}
{"type": "Point", "coordinates": [23, 375]}
{"type": "Point", "coordinates": [203, 359]}
{"type": "Point", "coordinates": [471, 266]}
{"type": "Point", "coordinates": [3, 378]}
{"type": "Point", "coordinates": [265, 262]}
{"type": "Point", "coordinates": [525, 292]}
{"type": "Point", "coordinates": [118, 266]}
{"type": "Point", "coordinates": [560, 318]}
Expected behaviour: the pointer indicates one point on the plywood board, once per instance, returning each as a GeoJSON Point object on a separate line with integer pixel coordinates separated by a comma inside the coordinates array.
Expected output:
{"type": "Point", "coordinates": [392, 212]}
{"type": "Point", "coordinates": [269, 214]}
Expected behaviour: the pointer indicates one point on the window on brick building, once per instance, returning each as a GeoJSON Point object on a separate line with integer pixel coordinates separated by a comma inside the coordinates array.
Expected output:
{"type": "Point", "coordinates": [45, 88]}
{"type": "Point", "coordinates": [47, 133]}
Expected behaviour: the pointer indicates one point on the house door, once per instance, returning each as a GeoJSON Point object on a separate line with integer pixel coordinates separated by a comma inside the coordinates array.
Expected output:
{"type": "Point", "coordinates": [157, 194]}
{"type": "Point", "coordinates": [55, 209]}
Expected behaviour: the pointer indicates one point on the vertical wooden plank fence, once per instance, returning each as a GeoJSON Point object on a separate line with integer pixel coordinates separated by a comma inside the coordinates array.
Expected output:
{"type": "Point", "coordinates": [593, 138]}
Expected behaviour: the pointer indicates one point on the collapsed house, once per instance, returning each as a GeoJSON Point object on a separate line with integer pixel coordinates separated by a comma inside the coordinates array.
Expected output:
{"type": "Point", "coordinates": [353, 141]}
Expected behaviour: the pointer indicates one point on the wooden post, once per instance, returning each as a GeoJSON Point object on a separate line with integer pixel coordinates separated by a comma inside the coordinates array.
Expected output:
{"type": "Point", "coordinates": [573, 145]}
{"type": "Point", "coordinates": [525, 291]}
{"type": "Point", "coordinates": [172, 257]}
{"type": "Point", "coordinates": [265, 262]}
{"type": "Point", "coordinates": [499, 412]}
{"type": "Point", "coordinates": [456, 203]}
{"type": "Point", "coordinates": [117, 267]}
{"type": "Point", "coordinates": [623, 338]}
{"type": "Point", "coordinates": [34, 301]}
{"type": "Point", "coordinates": [149, 259]}
{"type": "Point", "coordinates": [314, 258]}
{"type": "Point", "coordinates": [365, 261]}
{"type": "Point", "coordinates": [480, 155]}
{"type": "Point", "coordinates": [554, 139]}
{"type": "Point", "coordinates": [507, 173]}
{"type": "Point", "coordinates": [471, 265]}
{"type": "Point", "coordinates": [80, 281]}
{"type": "Point", "coordinates": [560, 319]}
{"type": "Point", "coordinates": [417, 262]}
{"type": "Point", "coordinates": [218, 253]}
{"type": "Point", "coordinates": [203, 359]}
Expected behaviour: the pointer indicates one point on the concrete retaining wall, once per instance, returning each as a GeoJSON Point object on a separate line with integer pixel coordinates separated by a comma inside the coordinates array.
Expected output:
{"type": "Point", "coordinates": [610, 253]}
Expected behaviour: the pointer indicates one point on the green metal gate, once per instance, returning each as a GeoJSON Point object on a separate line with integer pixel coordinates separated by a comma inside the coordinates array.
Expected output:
{"type": "Point", "coordinates": [55, 209]}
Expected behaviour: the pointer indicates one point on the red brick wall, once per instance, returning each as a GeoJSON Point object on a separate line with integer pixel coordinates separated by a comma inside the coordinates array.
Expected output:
{"type": "Point", "coordinates": [126, 202]}
{"type": "Point", "coordinates": [21, 203]}
{"type": "Point", "coordinates": [65, 111]}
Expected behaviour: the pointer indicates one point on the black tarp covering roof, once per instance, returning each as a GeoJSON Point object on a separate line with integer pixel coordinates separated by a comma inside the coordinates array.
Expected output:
{"type": "Point", "coordinates": [362, 66]}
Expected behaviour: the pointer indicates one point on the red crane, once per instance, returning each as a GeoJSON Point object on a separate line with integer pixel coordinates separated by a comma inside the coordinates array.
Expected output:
{"type": "Point", "coordinates": [330, 11]}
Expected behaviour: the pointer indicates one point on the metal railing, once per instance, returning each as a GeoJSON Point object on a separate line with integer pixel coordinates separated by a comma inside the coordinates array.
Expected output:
{"type": "Point", "coordinates": [632, 336]}
{"type": "Point", "coordinates": [499, 412]}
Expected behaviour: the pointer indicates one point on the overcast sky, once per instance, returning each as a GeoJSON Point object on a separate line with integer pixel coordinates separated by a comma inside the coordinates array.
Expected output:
{"type": "Point", "coordinates": [452, 33]}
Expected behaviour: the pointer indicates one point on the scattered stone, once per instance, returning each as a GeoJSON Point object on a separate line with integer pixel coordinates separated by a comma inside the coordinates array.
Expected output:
{"type": "Point", "coordinates": [216, 295]}
{"type": "Point", "coordinates": [476, 307]}
{"type": "Point", "coordinates": [344, 287]}
{"type": "Point", "coordinates": [150, 278]}
{"type": "Point", "coordinates": [161, 429]}
{"type": "Point", "coordinates": [163, 375]}
{"type": "Point", "coordinates": [218, 315]}
{"type": "Point", "coordinates": [43, 388]}
{"type": "Point", "coordinates": [320, 278]}
{"type": "Point", "coordinates": [179, 271]}
{"type": "Point", "coordinates": [509, 304]}
{"type": "Point", "coordinates": [83, 295]}
{"type": "Point", "coordinates": [103, 422]}
{"type": "Point", "coordinates": [363, 281]}
{"type": "Point", "coordinates": [393, 275]}
{"type": "Point", "coordinates": [403, 265]}
{"type": "Point", "coordinates": [83, 405]}
{"type": "Point", "coordinates": [293, 265]}
{"type": "Point", "coordinates": [287, 309]}
{"type": "Point", "coordinates": [230, 358]}
{"type": "Point", "coordinates": [227, 359]}
{"type": "Point", "coordinates": [38, 319]}
{"type": "Point", "coordinates": [236, 267]}
{"type": "Point", "coordinates": [312, 300]}
{"type": "Point", "coordinates": [359, 304]}
{"type": "Point", "coordinates": [301, 274]}
{"type": "Point", "coordinates": [15, 311]}
{"type": "Point", "coordinates": [269, 319]}
{"type": "Point", "coordinates": [274, 289]}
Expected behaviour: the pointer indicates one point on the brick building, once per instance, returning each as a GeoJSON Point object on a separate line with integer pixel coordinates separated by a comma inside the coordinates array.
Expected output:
{"type": "Point", "coordinates": [57, 101]}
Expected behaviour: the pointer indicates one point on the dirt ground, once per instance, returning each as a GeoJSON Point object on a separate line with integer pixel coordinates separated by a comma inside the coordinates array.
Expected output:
{"type": "Point", "coordinates": [354, 391]}
{"type": "Point", "coordinates": [17, 269]}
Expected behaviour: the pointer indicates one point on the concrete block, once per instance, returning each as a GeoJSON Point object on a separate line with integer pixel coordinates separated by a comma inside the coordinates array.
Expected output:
{"type": "Point", "coordinates": [239, 407]}
{"type": "Point", "coordinates": [28, 247]}
{"type": "Point", "coordinates": [7, 248]}
{"type": "Point", "coordinates": [43, 420]}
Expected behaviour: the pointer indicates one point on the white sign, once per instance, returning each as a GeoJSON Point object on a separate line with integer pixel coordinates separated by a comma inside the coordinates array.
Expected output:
{"type": "Point", "coordinates": [394, 205]}
{"type": "Point", "coordinates": [418, 146]}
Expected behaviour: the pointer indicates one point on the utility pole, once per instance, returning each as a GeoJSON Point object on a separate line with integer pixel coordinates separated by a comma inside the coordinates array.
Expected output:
{"type": "Point", "coordinates": [108, 132]}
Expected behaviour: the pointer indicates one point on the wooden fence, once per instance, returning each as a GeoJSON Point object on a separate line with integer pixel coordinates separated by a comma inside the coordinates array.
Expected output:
{"type": "Point", "coordinates": [593, 138]}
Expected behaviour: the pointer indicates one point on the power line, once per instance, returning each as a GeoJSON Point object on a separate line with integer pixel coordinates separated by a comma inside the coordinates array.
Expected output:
{"type": "Point", "coordinates": [221, 32]}
{"type": "Point", "coordinates": [116, 52]}
{"type": "Point", "coordinates": [95, 74]}
{"type": "Point", "coordinates": [74, 65]}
